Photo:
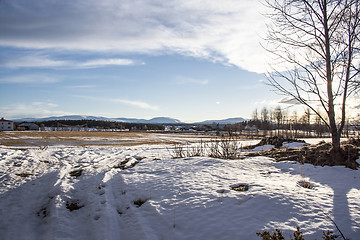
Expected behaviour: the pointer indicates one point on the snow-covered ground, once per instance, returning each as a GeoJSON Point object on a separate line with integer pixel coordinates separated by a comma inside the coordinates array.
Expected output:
{"type": "Point", "coordinates": [188, 198]}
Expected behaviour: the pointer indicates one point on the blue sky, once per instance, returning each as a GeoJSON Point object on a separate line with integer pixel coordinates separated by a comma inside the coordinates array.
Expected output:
{"type": "Point", "coordinates": [190, 60]}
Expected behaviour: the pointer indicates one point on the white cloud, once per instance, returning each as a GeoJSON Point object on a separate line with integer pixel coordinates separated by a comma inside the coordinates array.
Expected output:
{"type": "Point", "coordinates": [38, 61]}
{"type": "Point", "coordinates": [225, 30]}
{"type": "Point", "coordinates": [138, 104]}
{"type": "Point", "coordinates": [30, 78]}
{"type": "Point", "coordinates": [290, 100]}
{"type": "Point", "coordinates": [33, 61]}
{"type": "Point", "coordinates": [132, 103]}
{"type": "Point", "coordinates": [32, 109]}
{"type": "Point", "coordinates": [44, 104]}
{"type": "Point", "coordinates": [188, 80]}
{"type": "Point", "coordinates": [105, 62]}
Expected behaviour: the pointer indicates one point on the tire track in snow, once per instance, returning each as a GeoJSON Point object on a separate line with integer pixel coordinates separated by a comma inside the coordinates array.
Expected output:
{"type": "Point", "coordinates": [115, 215]}
{"type": "Point", "coordinates": [107, 212]}
{"type": "Point", "coordinates": [24, 205]}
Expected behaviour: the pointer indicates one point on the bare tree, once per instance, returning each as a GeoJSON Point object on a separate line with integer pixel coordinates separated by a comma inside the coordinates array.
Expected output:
{"type": "Point", "coordinates": [278, 115]}
{"type": "Point", "coordinates": [255, 115]}
{"type": "Point", "coordinates": [306, 121]}
{"type": "Point", "coordinates": [316, 45]}
{"type": "Point", "coordinates": [265, 114]}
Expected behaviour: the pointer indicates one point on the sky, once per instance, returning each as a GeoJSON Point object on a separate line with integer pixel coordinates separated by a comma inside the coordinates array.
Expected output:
{"type": "Point", "coordinates": [185, 59]}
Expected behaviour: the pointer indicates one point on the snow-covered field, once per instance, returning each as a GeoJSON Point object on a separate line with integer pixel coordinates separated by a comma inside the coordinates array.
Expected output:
{"type": "Point", "coordinates": [153, 196]}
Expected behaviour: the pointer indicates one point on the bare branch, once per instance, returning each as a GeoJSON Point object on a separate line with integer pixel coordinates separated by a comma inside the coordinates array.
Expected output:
{"type": "Point", "coordinates": [317, 42]}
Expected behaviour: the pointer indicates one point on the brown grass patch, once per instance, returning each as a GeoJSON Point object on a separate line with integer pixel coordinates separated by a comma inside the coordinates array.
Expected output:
{"type": "Point", "coordinates": [23, 175]}
{"type": "Point", "coordinates": [12, 142]}
{"type": "Point", "coordinates": [320, 154]}
{"type": "Point", "coordinates": [23, 138]}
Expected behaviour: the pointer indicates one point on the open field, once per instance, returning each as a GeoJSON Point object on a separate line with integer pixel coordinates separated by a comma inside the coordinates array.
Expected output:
{"type": "Point", "coordinates": [96, 185]}
{"type": "Point", "coordinates": [45, 138]}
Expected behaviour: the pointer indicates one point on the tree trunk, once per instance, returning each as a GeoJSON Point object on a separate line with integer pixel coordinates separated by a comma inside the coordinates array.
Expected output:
{"type": "Point", "coordinates": [331, 110]}
{"type": "Point", "coordinates": [335, 137]}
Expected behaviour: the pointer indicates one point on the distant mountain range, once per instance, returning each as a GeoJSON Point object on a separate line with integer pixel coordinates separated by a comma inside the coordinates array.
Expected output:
{"type": "Point", "coordinates": [157, 120]}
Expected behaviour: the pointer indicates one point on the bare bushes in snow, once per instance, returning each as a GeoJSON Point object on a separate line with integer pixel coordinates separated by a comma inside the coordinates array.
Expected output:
{"type": "Point", "coordinates": [224, 148]}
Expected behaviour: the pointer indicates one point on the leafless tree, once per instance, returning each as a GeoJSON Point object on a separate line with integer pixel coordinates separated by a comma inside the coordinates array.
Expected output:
{"type": "Point", "coordinates": [265, 114]}
{"type": "Point", "coordinates": [255, 115]}
{"type": "Point", "coordinates": [316, 45]}
{"type": "Point", "coordinates": [278, 115]}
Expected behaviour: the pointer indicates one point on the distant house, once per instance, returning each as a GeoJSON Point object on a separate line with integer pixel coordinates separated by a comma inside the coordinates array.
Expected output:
{"type": "Point", "coordinates": [6, 125]}
{"type": "Point", "coordinates": [30, 126]}
{"type": "Point", "coordinates": [251, 128]}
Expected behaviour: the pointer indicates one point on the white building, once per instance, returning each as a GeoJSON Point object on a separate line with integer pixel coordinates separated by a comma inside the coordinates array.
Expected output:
{"type": "Point", "coordinates": [30, 126]}
{"type": "Point", "coordinates": [6, 125]}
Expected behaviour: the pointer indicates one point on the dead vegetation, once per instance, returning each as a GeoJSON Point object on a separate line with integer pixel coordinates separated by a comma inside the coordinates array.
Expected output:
{"type": "Point", "coordinates": [73, 205]}
{"type": "Point", "coordinates": [320, 154]}
{"type": "Point", "coordinates": [23, 175]}
{"type": "Point", "coordinates": [42, 139]}
{"type": "Point", "coordinates": [223, 148]}
{"type": "Point", "coordinates": [240, 187]}
{"type": "Point", "coordinates": [140, 201]}
{"type": "Point", "coordinates": [275, 140]}
{"type": "Point", "coordinates": [76, 173]}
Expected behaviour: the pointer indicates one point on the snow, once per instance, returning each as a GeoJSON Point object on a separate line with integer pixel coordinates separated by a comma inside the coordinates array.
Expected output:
{"type": "Point", "coordinates": [185, 198]}
{"type": "Point", "coordinates": [293, 144]}
{"type": "Point", "coordinates": [262, 148]}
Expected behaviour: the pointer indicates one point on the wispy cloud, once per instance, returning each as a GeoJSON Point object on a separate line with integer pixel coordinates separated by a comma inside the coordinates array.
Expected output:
{"type": "Point", "coordinates": [289, 100]}
{"type": "Point", "coordinates": [138, 104]}
{"type": "Point", "coordinates": [32, 109]}
{"type": "Point", "coordinates": [187, 80]}
{"type": "Point", "coordinates": [81, 86]}
{"type": "Point", "coordinates": [30, 78]}
{"type": "Point", "coordinates": [38, 61]}
{"type": "Point", "coordinates": [44, 104]}
{"type": "Point", "coordinates": [106, 62]}
{"type": "Point", "coordinates": [32, 61]}
{"type": "Point", "coordinates": [132, 103]}
{"type": "Point", "coordinates": [226, 31]}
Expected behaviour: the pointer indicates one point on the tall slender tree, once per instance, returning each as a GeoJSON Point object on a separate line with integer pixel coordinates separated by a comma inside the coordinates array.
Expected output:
{"type": "Point", "coordinates": [316, 44]}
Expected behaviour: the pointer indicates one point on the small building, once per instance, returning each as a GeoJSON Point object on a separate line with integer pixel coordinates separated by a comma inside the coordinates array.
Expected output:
{"type": "Point", "coordinates": [6, 125]}
{"type": "Point", "coordinates": [251, 128]}
{"type": "Point", "coordinates": [30, 126]}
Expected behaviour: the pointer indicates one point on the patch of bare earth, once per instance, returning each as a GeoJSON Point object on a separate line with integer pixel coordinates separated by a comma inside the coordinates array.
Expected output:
{"type": "Point", "coordinates": [320, 154]}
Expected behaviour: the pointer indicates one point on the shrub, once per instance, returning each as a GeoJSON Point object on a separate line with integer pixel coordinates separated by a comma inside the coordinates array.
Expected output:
{"type": "Point", "coordinates": [298, 235]}
{"type": "Point", "coordinates": [225, 148]}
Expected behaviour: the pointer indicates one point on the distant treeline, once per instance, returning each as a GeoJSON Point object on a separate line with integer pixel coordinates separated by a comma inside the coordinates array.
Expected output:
{"type": "Point", "coordinates": [100, 124]}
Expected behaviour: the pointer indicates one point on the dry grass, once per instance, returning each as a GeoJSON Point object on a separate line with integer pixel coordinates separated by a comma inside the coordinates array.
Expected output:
{"type": "Point", "coordinates": [68, 134]}
{"type": "Point", "coordinates": [36, 138]}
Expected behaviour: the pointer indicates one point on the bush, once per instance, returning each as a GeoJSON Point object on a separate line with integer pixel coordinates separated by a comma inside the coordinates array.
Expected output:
{"type": "Point", "coordinates": [224, 148]}
{"type": "Point", "coordinates": [298, 235]}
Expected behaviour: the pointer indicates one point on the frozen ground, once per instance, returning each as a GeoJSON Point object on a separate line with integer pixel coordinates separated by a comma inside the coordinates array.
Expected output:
{"type": "Point", "coordinates": [155, 197]}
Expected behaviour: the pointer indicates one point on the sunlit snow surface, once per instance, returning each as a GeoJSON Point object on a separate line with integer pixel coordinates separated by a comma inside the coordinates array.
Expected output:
{"type": "Point", "coordinates": [187, 198]}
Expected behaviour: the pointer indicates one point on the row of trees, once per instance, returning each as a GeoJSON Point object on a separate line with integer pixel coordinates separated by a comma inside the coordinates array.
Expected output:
{"type": "Point", "coordinates": [100, 124]}
{"type": "Point", "coordinates": [280, 121]}
{"type": "Point", "coordinates": [292, 123]}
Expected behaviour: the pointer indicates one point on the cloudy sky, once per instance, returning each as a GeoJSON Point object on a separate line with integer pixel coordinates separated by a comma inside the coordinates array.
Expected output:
{"type": "Point", "coordinates": [188, 59]}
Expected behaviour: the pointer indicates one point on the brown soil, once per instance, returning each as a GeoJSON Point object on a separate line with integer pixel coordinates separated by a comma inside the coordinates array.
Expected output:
{"type": "Point", "coordinates": [276, 141]}
{"type": "Point", "coordinates": [320, 154]}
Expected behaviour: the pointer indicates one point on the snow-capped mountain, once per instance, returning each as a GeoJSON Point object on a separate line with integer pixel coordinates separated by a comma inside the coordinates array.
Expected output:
{"type": "Point", "coordinates": [157, 120]}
